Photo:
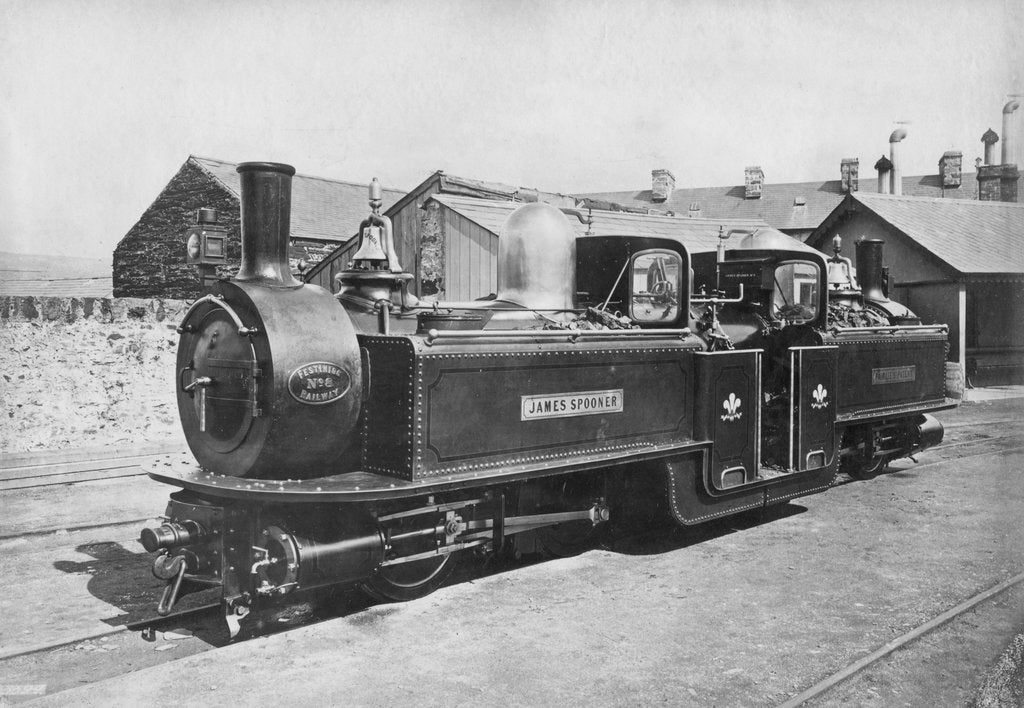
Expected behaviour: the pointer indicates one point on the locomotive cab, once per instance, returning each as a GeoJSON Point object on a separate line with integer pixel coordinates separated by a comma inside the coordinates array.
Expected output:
{"type": "Point", "coordinates": [643, 280]}
{"type": "Point", "coordinates": [764, 284]}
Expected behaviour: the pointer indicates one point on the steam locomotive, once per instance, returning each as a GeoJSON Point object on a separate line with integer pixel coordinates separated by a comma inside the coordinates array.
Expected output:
{"type": "Point", "coordinates": [369, 439]}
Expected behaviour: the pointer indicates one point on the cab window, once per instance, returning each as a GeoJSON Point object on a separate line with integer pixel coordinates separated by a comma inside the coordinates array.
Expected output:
{"type": "Point", "coordinates": [655, 282]}
{"type": "Point", "coordinates": [795, 293]}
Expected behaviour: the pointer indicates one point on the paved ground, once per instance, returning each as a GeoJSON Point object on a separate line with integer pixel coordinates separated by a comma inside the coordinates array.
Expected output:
{"type": "Point", "coordinates": [749, 611]}
{"type": "Point", "coordinates": [992, 393]}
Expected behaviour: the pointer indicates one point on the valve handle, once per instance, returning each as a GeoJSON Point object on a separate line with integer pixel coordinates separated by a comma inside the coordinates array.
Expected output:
{"type": "Point", "coordinates": [203, 381]}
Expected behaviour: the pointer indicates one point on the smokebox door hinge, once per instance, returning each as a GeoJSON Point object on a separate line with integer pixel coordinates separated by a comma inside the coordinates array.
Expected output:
{"type": "Point", "coordinates": [257, 373]}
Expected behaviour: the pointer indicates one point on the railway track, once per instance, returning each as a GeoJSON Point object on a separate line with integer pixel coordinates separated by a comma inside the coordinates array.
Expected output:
{"type": "Point", "coordinates": [863, 663]}
{"type": "Point", "coordinates": [49, 468]}
{"type": "Point", "coordinates": [963, 445]}
{"type": "Point", "coordinates": [133, 626]}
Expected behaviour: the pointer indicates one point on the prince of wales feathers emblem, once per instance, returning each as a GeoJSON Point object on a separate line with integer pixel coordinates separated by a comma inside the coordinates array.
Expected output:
{"type": "Point", "coordinates": [731, 406]}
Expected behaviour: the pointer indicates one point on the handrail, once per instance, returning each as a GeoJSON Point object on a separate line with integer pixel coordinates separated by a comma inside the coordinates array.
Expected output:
{"type": "Point", "coordinates": [893, 328]}
{"type": "Point", "coordinates": [219, 301]}
{"type": "Point", "coordinates": [572, 334]}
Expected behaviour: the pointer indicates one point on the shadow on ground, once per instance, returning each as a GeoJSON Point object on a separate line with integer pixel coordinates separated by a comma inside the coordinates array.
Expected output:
{"type": "Point", "coordinates": [122, 578]}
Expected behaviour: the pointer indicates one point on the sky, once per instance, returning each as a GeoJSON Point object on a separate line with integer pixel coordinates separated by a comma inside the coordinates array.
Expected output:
{"type": "Point", "coordinates": [102, 101]}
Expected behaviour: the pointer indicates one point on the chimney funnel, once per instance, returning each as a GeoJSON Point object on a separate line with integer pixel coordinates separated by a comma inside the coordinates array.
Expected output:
{"type": "Point", "coordinates": [869, 268]}
{"type": "Point", "coordinates": [266, 211]}
{"type": "Point", "coordinates": [896, 175]}
{"type": "Point", "coordinates": [1008, 145]}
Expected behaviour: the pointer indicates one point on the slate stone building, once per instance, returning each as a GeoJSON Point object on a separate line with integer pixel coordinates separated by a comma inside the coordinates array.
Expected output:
{"type": "Point", "coordinates": [150, 260]}
{"type": "Point", "coordinates": [797, 208]}
{"type": "Point", "coordinates": [958, 262]}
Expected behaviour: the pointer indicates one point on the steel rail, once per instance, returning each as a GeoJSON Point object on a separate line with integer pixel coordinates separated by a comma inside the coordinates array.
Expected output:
{"type": "Point", "coordinates": [921, 465]}
{"type": "Point", "coordinates": [127, 626]}
{"type": "Point", "coordinates": [60, 478]}
{"type": "Point", "coordinates": [72, 529]}
{"type": "Point", "coordinates": [934, 623]}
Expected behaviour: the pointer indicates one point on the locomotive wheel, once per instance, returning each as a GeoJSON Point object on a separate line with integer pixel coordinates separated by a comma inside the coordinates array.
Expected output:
{"type": "Point", "coordinates": [863, 471]}
{"type": "Point", "coordinates": [568, 492]}
{"type": "Point", "coordinates": [409, 581]}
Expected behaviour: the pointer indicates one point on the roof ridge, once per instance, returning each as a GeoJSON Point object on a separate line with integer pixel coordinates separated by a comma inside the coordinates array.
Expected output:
{"type": "Point", "coordinates": [603, 213]}
{"type": "Point", "coordinates": [197, 161]}
{"type": "Point", "coordinates": [936, 200]}
{"type": "Point", "coordinates": [734, 185]}
{"type": "Point", "coordinates": [303, 175]}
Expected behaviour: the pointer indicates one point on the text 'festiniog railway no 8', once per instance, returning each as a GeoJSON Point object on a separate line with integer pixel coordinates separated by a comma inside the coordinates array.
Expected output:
{"type": "Point", "coordinates": [367, 439]}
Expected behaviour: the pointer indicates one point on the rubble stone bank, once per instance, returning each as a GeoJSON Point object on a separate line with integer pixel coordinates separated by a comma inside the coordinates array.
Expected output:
{"type": "Point", "coordinates": [87, 372]}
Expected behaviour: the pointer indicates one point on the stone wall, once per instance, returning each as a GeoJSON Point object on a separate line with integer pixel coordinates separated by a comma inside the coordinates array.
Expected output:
{"type": "Point", "coordinates": [431, 252]}
{"type": "Point", "coordinates": [85, 372]}
{"type": "Point", "coordinates": [150, 260]}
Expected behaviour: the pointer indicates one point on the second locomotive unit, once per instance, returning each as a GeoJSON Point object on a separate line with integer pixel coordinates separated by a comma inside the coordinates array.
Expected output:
{"type": "Point", "coordinates": [368, 439]}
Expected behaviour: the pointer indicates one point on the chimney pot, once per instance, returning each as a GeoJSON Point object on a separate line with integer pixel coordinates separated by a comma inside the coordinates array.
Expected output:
{"type": "Point", "coordinates": [753, 182]}
{"type": "Point", "coordinates": [663, 183]}
{"type": "Point", "coordinates": [884, 167]}
{"type": "Point", "coordinates": [849, 168]}
{"type": "Point", "coordinates": [989, 139]}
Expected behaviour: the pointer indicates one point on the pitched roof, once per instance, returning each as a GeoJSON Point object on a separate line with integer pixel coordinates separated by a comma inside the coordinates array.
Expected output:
{"type": "Point", "coordinates": [971, 237]}
{"type": "Point", "coordinates": [779, 203]}
{"type": "Point", "coordinates": [322, 209]}
{"type": "Point", "coordinates": [695, 234]}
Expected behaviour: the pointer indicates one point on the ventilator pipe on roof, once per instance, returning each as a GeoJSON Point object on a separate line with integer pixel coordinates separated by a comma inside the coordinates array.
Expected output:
{"type": "Point", "coordinates": [884, 166]}
{"type": "Point", "coordinates": [896, 174]}
{"type": "Point", "coordinates": [1008, 145]}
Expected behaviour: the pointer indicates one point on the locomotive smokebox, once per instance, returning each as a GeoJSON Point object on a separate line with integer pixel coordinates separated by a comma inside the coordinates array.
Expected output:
{"type": "Point", "coordinates": [269, 370]}
{"type": "Point", "coordinates": [266, 213]}
{"type": "Point", "coordinates": [869, 268]}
